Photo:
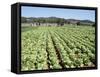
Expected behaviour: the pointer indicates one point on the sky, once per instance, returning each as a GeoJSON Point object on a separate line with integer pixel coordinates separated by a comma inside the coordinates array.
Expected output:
{"type": "Point", "coordinates": [27, 11]}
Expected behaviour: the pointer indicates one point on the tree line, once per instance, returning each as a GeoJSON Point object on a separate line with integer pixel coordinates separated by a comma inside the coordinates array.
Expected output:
{"type": "Point", "coordinates": [58, 21]}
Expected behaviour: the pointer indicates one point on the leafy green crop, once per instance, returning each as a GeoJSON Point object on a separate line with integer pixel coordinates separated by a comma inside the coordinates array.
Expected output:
{"type": "Point", "coordinates": [57, 48]}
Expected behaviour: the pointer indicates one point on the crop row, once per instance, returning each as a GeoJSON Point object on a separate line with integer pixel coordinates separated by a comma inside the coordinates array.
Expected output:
{"type": "Point", "coordinates": [57, 48]}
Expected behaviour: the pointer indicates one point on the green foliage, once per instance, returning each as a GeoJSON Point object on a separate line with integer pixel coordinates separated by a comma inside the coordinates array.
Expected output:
{"type": "Point", "coordinates": [48, 47]}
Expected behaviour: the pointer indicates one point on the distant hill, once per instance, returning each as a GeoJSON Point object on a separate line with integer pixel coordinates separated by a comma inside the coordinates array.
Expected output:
{"type": "Point", "coordinates": [86, 21]}
{"type": "Point", "coordinates": [57, 20]}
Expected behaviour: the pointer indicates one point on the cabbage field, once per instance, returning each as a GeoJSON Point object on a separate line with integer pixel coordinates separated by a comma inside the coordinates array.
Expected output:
{"type": "Point", "coordinates": [63, 47]}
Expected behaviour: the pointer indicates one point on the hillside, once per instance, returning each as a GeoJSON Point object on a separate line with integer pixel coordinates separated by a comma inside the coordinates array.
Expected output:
{"type": "Point", "coordinates": [58, 21]}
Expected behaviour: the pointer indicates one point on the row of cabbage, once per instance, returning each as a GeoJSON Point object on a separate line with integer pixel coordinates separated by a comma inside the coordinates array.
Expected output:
{"type": "Point", "coordinates": [79, 51]}
{"type": "Point", "coordinates": [57, 48]}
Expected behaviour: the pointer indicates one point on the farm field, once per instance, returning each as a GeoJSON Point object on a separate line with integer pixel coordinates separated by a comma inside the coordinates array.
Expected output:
{"type": "Point", "coordinates": [57, 47]}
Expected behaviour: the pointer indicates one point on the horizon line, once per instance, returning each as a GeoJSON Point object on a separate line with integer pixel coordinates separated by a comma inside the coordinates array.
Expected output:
{"type": "Point", "coordinates": [58, 17]}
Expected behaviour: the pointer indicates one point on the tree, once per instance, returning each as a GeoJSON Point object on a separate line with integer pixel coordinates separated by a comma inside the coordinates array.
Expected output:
{"type": "Point", "coordinates": [78, 23]}
{"type": "Point", "coordinates": [23, 20]}
{"type": "Point", "coordinates": [94, 25]}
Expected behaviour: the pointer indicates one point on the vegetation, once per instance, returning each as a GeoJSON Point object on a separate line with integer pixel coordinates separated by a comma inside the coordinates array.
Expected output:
{"type": "Point", "coordinates": [57, 47]}
{"type": "Point", "coordinates": [58, 21]}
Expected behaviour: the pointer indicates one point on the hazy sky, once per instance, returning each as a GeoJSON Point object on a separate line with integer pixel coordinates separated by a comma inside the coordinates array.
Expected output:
{"type": "Point", "coordinates": [56, 12]}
